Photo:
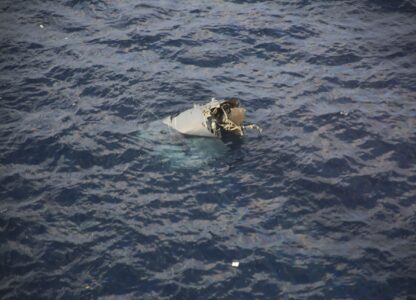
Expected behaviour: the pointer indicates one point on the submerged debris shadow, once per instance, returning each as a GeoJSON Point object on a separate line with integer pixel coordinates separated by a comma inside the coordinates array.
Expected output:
{"type": "Point", "coordinates": [175, 150]}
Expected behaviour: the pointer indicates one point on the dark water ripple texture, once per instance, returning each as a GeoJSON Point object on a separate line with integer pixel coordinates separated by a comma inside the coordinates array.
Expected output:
{"type": "Point", "coordinates": [100, 201]}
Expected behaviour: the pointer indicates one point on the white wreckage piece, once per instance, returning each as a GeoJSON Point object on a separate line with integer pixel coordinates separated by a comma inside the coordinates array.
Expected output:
{"type": "Point", "coordinates": [211, 119]}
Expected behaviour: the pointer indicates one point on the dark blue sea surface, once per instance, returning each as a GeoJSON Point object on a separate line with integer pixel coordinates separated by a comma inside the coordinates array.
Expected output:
{"type": "Point", "coordinates": [99, 200]}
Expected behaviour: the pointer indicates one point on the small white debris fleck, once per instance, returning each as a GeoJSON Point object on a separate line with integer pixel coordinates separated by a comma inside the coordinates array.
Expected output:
{"type": "Point", "coordinates": [343, 113]}
{"type": "Point", "coordinates": [41, 26]}
{"type": "Point", "coordinates": [235, 264]}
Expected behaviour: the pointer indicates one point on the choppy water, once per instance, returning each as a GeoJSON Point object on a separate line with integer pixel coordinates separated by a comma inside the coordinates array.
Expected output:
{"type": "Point", "coordinates": [100, 201]}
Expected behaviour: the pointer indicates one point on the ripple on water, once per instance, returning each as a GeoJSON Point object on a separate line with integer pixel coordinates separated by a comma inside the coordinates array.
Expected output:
{"type": "Point", "coordinates": [100, 200]}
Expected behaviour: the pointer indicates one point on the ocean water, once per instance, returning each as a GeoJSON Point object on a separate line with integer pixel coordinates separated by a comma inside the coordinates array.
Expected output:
{"type": "Point", "coordinates": [99, 200]}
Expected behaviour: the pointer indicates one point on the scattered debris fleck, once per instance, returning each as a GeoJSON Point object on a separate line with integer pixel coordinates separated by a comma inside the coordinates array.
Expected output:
{"type": "Point", "coordinates": [235, 264]}
{"type": "Point", "coordinates": [343, 113]}
{"type": "Point", "coordinates": [41, 26]}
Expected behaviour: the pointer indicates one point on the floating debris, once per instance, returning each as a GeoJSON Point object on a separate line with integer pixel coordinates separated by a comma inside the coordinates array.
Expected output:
{"type": "Point", "coordinates": [235, 264]}
{"type": "Point", "coordinates": [211, 119]}
{"type": "Point", "coordinates": [41, 26]}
